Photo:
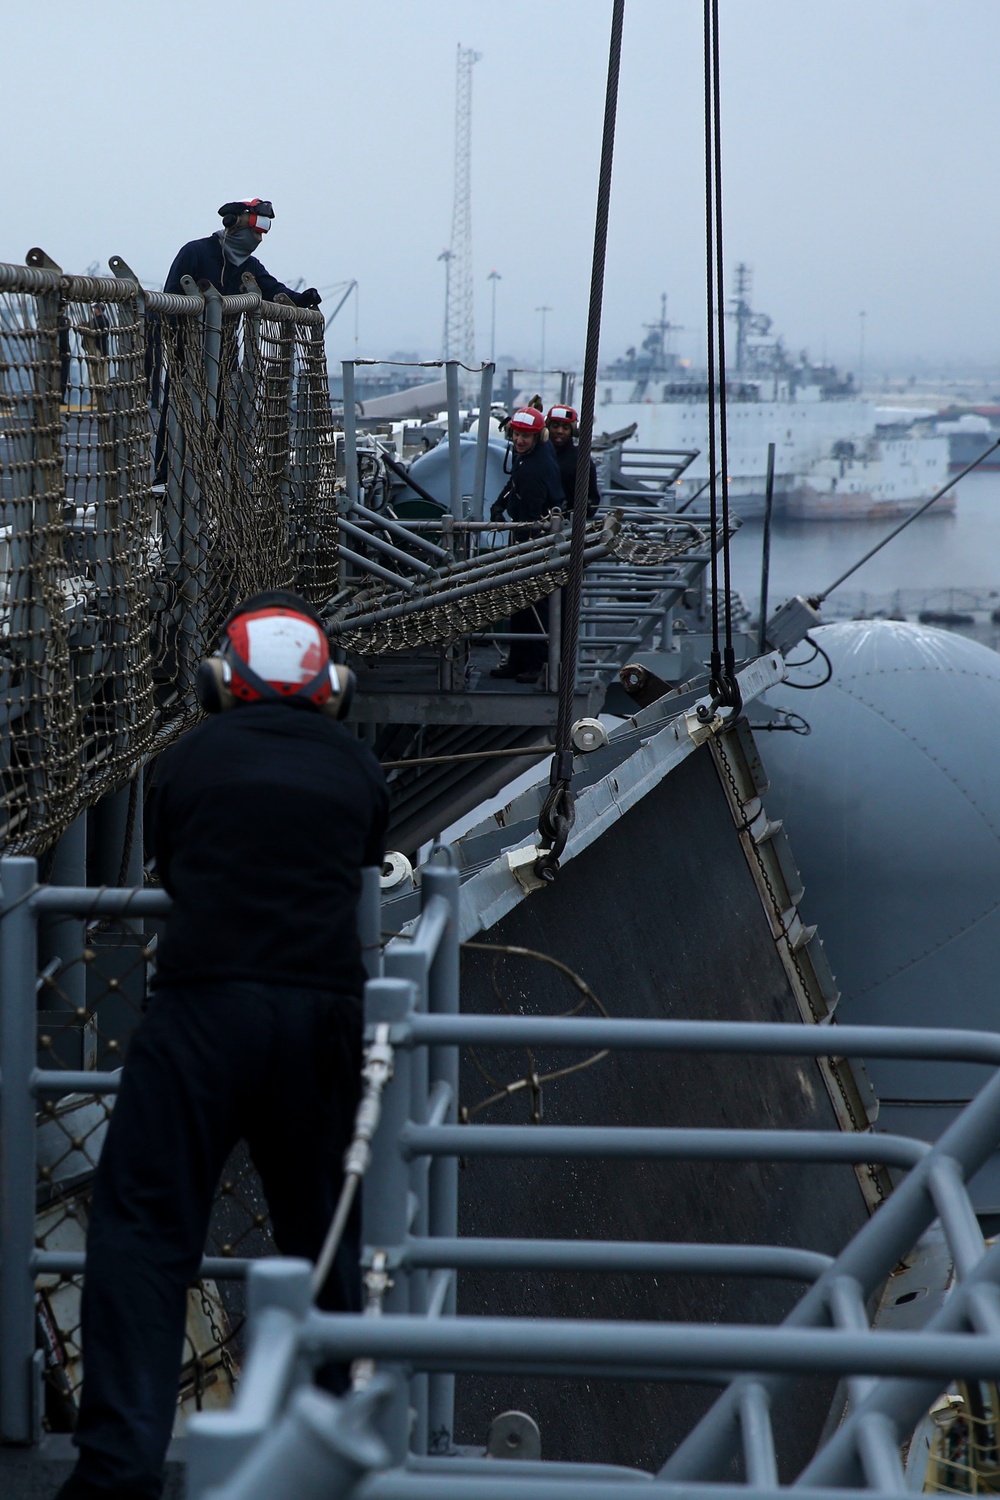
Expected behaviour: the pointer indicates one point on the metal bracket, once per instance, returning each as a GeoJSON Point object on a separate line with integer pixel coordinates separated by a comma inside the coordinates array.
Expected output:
{"type": "Point", "coordinates": [701, 730]}
{"type": "Point", "coordinates": [521, 863]}
{"type": "Point", "coordinates": [39, 261]}
{"type": "Point", "coordinates": [122, 269]}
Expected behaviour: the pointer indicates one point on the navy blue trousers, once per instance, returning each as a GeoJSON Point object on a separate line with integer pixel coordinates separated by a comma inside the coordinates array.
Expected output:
{"type": "Point", "coordinates": [207, 1066]}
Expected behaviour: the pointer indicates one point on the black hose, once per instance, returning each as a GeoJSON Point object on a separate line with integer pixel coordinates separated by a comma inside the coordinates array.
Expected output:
{"type": "Point", "coordinates": [807, 687]}
{"type": "Point", "coordinates": [401, 473]}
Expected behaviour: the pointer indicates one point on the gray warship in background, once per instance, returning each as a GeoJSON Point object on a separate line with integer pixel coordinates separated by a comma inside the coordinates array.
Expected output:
{"type": "Point", "coordinates": [678, 896]}
{"type": "Point", "coordinates": [837, 456]}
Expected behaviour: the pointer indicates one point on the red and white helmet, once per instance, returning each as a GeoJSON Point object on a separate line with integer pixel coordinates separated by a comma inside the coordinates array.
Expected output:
{"type": "Point", "coordinates": [274, 649]}
{"type": "Point", "coordinates": [528, 419]}
{"type": "Point", "coordinates": [278, 648]}
{"type": "Point", "coordinates": [259, 212]}
{"type": "Point", "coordinates": [564, 414]}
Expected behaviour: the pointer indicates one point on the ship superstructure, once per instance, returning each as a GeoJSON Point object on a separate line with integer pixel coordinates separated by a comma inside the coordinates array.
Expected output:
{"type": "Point", "coordinates": [808, 411]}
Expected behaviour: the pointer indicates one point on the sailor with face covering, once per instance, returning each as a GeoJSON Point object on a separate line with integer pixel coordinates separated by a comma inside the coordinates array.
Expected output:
{"type": "Point", "coordinates": [223, 257]}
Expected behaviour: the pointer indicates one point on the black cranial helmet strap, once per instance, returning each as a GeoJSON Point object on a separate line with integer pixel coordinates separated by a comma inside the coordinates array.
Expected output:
{"type": "Point", "coordinates": [246, 673]}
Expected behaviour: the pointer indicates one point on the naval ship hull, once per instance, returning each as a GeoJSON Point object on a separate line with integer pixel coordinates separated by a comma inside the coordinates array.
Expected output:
{"type": "Point", "coordinates": [663, 916]}
{"type": "Point", "coordinates": [808, 504]}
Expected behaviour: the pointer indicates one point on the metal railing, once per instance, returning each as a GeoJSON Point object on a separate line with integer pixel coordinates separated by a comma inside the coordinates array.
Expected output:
{"type": "Point", "coordinates": [53, 1118]}
{"type": "Point", "coordinates": [391, 1438]}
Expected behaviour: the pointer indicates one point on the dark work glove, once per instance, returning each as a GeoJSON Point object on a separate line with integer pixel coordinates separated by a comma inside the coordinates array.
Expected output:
{"type": "Point", "coordinates": [497, 511]}
{"type": "Point", "coordinates": [310, 297]}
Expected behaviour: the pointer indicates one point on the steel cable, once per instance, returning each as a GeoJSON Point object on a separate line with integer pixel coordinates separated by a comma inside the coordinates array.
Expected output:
{"type": "Point", "coordinates": [556, 819]}
{"type": "Point", "coordinates": [725, 689]}
{"type": "Point", "coordinates": [713, 496]}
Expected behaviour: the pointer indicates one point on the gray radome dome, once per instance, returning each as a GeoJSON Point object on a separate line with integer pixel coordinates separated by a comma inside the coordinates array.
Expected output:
{"type": "Point", "coordinates": [892, 808]}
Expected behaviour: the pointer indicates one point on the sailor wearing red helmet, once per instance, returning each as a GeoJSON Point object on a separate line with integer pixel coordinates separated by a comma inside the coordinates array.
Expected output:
{"type": "Point", "coordinates": [266, 814]}
{"type": "Point", "coordinates": [534, 489]}
{"type": "Point", "coordinates": [223, 257]}
{"type": "Point", "coordinates": [535, 486]}
{"type": "Point", "coordinates": [563, 423]}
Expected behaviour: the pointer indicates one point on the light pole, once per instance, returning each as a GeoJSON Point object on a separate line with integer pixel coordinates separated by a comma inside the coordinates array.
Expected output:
{"type": "Point", "coordinates": [446, 257]}
{"type": "Point", "coordinates": [543, 310]}
{"type": "Point", "coordinates": [493, 278]}
{"type": "Point", "coordinates": [861, 355]}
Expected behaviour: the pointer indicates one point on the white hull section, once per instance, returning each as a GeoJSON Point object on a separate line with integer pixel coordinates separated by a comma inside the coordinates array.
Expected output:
{"type": "Point", "coordinates": [885, 477]}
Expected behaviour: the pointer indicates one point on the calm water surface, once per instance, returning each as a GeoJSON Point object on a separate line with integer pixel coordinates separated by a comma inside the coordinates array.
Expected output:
{"type": "Point", "coordinates": [940, 561]}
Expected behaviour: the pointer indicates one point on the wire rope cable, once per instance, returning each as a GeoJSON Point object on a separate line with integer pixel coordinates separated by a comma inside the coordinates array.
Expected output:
{"type": "Point", "coordinates": [713, 475]}
{"type": "Point", "coordinates": [817, 599]}
{"type": "Point", "coordinates": [729, 663]}
{"type": "Point", "coordinates": [556, 818]}
{"type": "Point", "coordinates": [725, 689]}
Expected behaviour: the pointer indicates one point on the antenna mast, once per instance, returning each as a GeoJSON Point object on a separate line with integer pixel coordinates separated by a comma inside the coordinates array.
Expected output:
{"type": "Point", "coordinates": [460, 332]}
{"type": "Point", "coordinates": [742, 313]}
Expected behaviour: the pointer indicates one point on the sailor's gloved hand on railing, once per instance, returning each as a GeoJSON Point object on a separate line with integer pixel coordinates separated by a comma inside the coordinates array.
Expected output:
{"type": "Point", "coordinates": [497, 511]}
{"type": "Point", "coordinates": [310, 297]}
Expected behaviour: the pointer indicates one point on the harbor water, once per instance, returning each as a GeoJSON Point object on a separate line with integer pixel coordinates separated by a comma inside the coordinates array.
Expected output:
{"type": "Point", "coordinates": [940, 562]}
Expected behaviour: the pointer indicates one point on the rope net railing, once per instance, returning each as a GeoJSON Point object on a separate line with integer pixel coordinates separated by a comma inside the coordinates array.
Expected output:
{"type": "Point", "coordinates": [91, 981]}
{"type": "Point", "coordinates": [160, 458]}
{"type": "Point", "coordinates": [163, 456]}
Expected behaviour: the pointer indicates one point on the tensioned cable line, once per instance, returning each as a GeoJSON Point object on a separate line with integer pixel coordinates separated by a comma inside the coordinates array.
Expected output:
{"type": "Point", "coordinates": [817, 599]}
{"type": "Point", "coordinates": [556, 818]}
{"type": "Point", "coordinates": [722, 668]}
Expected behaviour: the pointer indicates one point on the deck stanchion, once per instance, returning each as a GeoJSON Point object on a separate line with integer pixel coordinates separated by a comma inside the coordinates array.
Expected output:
{"type": "Point", "coordinates": [370, 921]}
{"type": "Point", "coordinates": [412, 961]}
{"type": "Point", "coordinates": [386, 1190]}
{"type": "Point", "coordinates": [454, 439]}
{"type": "Point", "coordinates": [350, 433]}
{"type": "Point", "coordinates": [765, 563]}
{"type": "Point", "coordinates": [20, 1376]}
{"type": "Point", "coordinates": [482, 443]}
{"type": "Point", "coordinates": [442, 1219]}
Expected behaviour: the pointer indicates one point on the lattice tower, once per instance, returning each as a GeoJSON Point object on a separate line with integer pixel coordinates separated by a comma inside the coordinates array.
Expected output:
{"type": "Point", "coordinates": [460, 333]}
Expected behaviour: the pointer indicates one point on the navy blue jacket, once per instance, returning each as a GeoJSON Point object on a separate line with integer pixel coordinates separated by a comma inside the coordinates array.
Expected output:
{"type": "Point", "coordinates": [205, 260]}
{"type": "Point", "coordinates": [566, 458]}
{"type": "Point", "coordinates": [264, 819]}
{"type": "Point", "coordinates": [535, 486]}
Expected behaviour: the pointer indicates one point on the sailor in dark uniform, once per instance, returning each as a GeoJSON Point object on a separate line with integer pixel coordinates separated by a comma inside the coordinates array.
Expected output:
{"type": "Point", "coordinates": [222, 259]}
{"type": "Point", "coordinates": [534, 489]}
{"type": "Point", "coordinates": [266, 815]}
{"type": "Point", "coordinates": [563, 422]}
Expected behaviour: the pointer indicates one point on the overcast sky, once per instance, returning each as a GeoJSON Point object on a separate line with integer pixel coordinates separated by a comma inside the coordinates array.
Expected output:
{"type": "Point", "coordinates": [860, 142]}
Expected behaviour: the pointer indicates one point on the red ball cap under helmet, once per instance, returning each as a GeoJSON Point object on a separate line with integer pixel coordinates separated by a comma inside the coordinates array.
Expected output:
{"type": "Point", "coordinates": [527, 420]}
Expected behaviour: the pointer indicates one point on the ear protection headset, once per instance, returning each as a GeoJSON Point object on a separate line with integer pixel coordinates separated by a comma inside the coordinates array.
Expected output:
{"type": "Point", "coordinates": [226, 678]}
{"type": "Point", "coordinates": [259, 213]}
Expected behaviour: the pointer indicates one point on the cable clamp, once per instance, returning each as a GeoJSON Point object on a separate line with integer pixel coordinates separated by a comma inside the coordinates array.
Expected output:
{"type": "Point", "coordinates": [523, 863]}
{"type": "Point", "coordinates": [702, 723]}
{"type": "Point", "coordinates": [561, 768]}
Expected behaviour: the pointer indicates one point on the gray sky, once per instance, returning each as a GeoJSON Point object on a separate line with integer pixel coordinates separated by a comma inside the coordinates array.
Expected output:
{"type": "Point", "coordinates": [859, 145]}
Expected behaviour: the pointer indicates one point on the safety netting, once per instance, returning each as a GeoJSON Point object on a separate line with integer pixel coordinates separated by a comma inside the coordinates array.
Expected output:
{"type": "Point", "coordinates": [161, 458]}
{"type": "Point", "coordinates": [91, 982]}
